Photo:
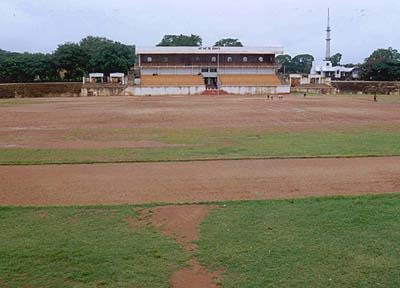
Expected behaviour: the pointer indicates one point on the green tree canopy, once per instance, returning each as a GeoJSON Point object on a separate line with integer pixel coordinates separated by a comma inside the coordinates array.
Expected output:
{"type": "Point", "coordinates": [382, 65]}
{"type": "Point", "coordinates": [336, 59]}
{"type": "Point", "coordinates": [107, 56]}
{"type": "Point", "coordinates": [228, 42]}
{"type": "Point", "coordinates": [298, 64]}
{"type": "Point", "coordinates": [181, 40]}
{"type": "Point", "coordinates": [72, 58]}
{"type": "Point", "coordinates": [285, 61]}
{"type": "Point", "coordinates": [112, 57]}
{"type": "Point", "coordinates": [26, 67]}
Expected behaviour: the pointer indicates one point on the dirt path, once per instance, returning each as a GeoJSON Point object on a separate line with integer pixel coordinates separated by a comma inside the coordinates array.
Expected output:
{"type": "Point", "coordinates": [183, 224]}
{"type": "Point", "coordinates": [138, 183]}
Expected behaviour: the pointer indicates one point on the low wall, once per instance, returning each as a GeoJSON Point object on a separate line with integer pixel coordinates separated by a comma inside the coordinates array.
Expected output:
{"type": "Point", "coordinates": [103, 90]}
{"type": "Point", "coordinates": [163, 90]}
{"type": "Point", "coordinates": [367, 87]}
{"type": "Point", "coordinates": [314, 90]}
{"type": "Point", "coordinates": [257, 90]}
{"type": "Point", "coordinates": [29, 90]}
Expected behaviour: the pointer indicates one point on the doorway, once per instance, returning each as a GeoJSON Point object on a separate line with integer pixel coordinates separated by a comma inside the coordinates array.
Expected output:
{"type": "Point", "coordinates": [211, 83]}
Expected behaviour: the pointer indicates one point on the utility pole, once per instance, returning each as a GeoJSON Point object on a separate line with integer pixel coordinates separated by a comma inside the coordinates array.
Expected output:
{"type": "Point", "coordinates": [218, 73]}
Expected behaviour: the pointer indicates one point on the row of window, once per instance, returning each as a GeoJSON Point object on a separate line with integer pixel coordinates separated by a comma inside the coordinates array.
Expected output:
{"type": "Point", "coordinates": [213, 59]}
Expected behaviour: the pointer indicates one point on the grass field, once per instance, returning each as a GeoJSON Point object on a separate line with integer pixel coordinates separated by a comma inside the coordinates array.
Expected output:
{"type": "Point", "coordinates": [228, 144]}
{"type": "Point", "coordinates": [83, 247]}
{"type": "Point", "coordinates": [315, 242]}
{"type": "Point", "coordinates": [330, 242]}
{"type": "Point", "coordinates": [342, 242]}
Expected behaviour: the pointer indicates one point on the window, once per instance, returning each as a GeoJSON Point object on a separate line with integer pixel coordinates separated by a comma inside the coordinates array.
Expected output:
{"type": "Point", "coordinates": [213, 70]}
{"type": "Point", "coordinates": [149, 59]}
{"type": "Point", "coordinates": [245, 59]}
{"type": "Point", "coordinates": [165, 59]}
{"type": "Point", "coordinates": [261, 59]}
{"type": "Point", "coordinates": [204, 70]}
{"type": "Point", "coordinates": [197, 59]}
{"type": "Point", "coordinates": [214, 59]}
{"type": "Point", "coordinates": [229, 59]}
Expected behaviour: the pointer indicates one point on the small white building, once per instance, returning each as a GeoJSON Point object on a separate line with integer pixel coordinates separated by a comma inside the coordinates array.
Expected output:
{"type": "Point", "coordinates": [308, 79]}
{"type": "Point", "coordinates": [326, 69]}
{"type": "Point", "coordinates": [117, 78]}
{"type": "Point", "coordinates": [96, 77]}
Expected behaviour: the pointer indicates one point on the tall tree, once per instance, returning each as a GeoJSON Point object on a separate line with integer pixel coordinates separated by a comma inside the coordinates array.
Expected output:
{"type": "Point", "coordinates": [382, 65]}
{"type": "Point", "coordinates": [91, 43]}
{"type": "Point", "coordinates": [228, 42]}
{"type": "Point", "coordinates": [73, 59]}
{"type": "Point", "coordinates": [336, 59]}
{"type": "Point", "coordinates": [302, 63]}
{"type": "Point", "coordinates": [69, 62]}
{"type": "Point", "coordinates": [299, 64]}
{"type": "Point", "coordinates": [112, 57]}
{"type": "Point", "coordinates": [181, 40]}
{"type": "Point", "coordinates": [285, 61]}
{"type": "Point", "coordinates": [26, 67]}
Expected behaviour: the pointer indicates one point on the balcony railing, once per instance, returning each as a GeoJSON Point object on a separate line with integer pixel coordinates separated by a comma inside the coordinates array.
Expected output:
{"type": "Point", "coordinates": [211, 65]}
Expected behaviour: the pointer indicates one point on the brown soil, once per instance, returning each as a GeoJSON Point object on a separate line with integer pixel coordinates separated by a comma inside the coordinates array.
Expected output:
{"type": "Point", "coordinates": [46, 122]}
{"type": "Point", "coordinates": [195, 276]}
{"type": "Point", "coordinates": [138, 183]}
{"type": "Point", "coordinates": [183, 224]}
{"type": "Point", "coordinates": [180, 222]}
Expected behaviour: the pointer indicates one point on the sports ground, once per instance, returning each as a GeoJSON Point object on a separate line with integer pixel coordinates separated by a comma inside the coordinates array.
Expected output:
{"type": "Point", "coordinates": [200, 191]}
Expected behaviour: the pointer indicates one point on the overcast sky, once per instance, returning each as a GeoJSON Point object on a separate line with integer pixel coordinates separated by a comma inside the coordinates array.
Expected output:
{"type": "Point", "coordinates": [359, 26]}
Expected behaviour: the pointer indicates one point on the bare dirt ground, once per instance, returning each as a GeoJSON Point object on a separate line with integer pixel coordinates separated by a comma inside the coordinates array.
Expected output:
{"type": "Point", "coordinates": [182, 182]}
{"type": "Point", "coordinates": [48, 122]}
{"type": "Point", "coordinates": [64, 123]}
{"type": "Point", "coordinates": [183, 224]}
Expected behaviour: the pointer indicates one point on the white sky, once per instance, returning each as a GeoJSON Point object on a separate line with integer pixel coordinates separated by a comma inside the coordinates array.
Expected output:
{"type": "Point", "coordinates": [359, 26]}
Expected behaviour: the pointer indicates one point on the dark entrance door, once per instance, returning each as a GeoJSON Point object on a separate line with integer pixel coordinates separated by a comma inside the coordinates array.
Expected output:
{"type": "Point", "coordinates": [211, 82]}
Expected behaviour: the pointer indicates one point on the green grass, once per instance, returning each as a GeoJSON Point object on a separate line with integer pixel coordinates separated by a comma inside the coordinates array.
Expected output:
{"type": "Point", "coordinates": [315, 242]}
{"type": "Point", "coordinates": [15, 102]}
{"type": "Point", "coordinates": [332, 242]}
{"type": "Point", "coordinates": [235, 144]}
{"type": "Point", "coordinates": [83, 247]}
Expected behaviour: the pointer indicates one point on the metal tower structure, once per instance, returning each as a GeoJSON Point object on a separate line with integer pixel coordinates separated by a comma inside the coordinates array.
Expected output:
{"type": "Point", "coordinates": [328, 38]}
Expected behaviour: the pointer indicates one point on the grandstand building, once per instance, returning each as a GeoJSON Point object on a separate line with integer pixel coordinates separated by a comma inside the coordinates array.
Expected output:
{"type": "Point", "coordinates": [208, 70]}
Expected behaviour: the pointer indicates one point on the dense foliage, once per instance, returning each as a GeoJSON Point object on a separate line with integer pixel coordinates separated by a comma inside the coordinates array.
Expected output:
{"type": "Point", "coordinates": [69, 62]}
{"type": "Point", "coordinates": [382, 65]}
{"type": "Point", "coordinates": [228, 42]}
{"type": "Point", "coordinates": [298, 64]}
{"type": "Point", "coordinates": [336, 59]}
{"type": "Point", "coordinates": [25, 67]}
{"type": "Point", "coordinates": [181, 40]}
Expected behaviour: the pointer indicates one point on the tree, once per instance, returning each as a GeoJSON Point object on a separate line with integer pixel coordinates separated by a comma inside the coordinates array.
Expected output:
{"type": "Point", "coordinates": [382, 65]}
{"type": "Point", "coordinates": [72, 58]}
{"type": "Point", "coordinates": [91, 43]}
{"type": "Point", "coordinates": [285, 61]}
{"type": "Point", "coordinates": [299, 64]}
{"type": "Point", "coordinates": [181, 40]}
{"type": "Point", "coordinates": [335, 59]}
{"type": "Point", "coordinates": [302, 63]}
{"type": "Point", "coordinates": [228, 42]}
{"type": "Point", "coordinates": [112, 57]}
{"type": "Point", "coordinates": [26, 67]}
